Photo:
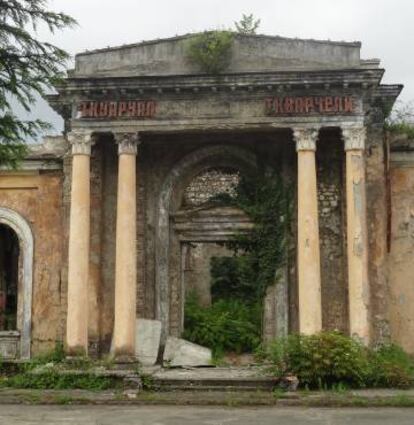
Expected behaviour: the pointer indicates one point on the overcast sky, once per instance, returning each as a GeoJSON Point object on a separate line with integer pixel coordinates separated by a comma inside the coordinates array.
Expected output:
{"type": "Point", "coordinates": [385, 27]}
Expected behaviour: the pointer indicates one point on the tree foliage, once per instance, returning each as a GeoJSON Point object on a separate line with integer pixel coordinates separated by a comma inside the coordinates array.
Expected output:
{"type": "Point", "coordinates": [28, 67]}
{"type": "Point", "coordinates": [401, 119]}
{"type": "Point", "coordinates": [261, 252]}
{"type": "Point", "coordinates": [247, 24]}
{"type": "Point", "coordinates": [211, 50]}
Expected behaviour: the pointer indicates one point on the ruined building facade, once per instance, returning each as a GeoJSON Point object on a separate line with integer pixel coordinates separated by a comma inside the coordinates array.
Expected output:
{"type": "Point", "coordinates": [111, 221]}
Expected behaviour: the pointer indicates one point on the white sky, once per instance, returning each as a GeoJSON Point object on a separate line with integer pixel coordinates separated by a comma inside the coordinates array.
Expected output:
{"type": "Point", "coordinates": [385, 27]}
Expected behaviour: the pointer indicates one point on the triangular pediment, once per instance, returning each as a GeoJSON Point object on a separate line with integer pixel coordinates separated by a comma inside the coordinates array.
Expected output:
{"type": "Point", "coordinates": [250, 53]}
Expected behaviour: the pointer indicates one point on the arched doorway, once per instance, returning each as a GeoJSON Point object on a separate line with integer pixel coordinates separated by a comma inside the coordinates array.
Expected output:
{"type": "Point", "coordinates": [167, 246]}
{"type": "Point", "coordinates": [16, 281]}
{"type": "Point", "coordinates": [9, 270]}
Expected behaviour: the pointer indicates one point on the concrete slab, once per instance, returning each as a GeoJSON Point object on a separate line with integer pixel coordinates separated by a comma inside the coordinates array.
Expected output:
{"type": "Point", "coordinates": [179, 352]}
{"type": "Point", "coordinates": [147, 341]}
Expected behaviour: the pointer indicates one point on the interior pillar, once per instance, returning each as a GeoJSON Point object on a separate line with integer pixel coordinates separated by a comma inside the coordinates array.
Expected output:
{"type": "Point", "coordinates": [123, 345]}
{"type": "Point", "coordinates": [309, 273]}
{"type": "Point", "coordinates": [357, 235]}
{"type": "Point", "coordinates": [78, 262]}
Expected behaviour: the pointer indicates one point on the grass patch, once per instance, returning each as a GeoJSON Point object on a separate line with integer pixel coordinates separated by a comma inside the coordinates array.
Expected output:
{"type": "Point", "coordinates": [53, 380]}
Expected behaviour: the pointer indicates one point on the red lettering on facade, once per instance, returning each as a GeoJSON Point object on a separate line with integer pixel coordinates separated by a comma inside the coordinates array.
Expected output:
{"type": "Point", "coordinates": [289, 105]}
{"type": "Point", "coordinates": [309, 105]}
{"type": "Point", "coordinates": [299, 105]}
{"type": "Point", "coordinates": [348, 104]}
{"type": "Point", "coordinates": [114, 109]}
{"type": "Point", "coordinates": [103, 109]}
{"type": "Point", "coordinates": [122, 108]}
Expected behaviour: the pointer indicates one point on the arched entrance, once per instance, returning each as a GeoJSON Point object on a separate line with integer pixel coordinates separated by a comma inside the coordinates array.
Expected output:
{"type": "Point", "coordinates": [16, 280]}
{"type": "Point", "coordinates": [9, 271]}
{"type": "Point", "coordinates": [167, 245]}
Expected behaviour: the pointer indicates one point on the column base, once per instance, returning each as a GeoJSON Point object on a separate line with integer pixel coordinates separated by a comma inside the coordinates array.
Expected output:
{"type": "Point", "coordinates": [124, 361]}
{"type": "Point", "coordinates": [75, 352]}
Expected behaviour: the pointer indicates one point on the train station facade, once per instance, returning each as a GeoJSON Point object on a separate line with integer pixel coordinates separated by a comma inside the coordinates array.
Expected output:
{"type": "Point", "coordinates": [111, 222]}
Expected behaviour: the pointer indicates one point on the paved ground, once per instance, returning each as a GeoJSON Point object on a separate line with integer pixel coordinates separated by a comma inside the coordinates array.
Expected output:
{"type": "Point", "coordinates": [127, 415]}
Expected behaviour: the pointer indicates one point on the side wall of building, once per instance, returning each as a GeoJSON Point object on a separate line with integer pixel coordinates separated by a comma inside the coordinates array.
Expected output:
{"type": "Point", "coordinates": [37, 197]}
{"type": "Point", "coordinates": [401, 256]}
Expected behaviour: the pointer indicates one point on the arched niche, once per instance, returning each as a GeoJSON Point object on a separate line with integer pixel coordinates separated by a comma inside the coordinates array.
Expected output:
{"type": "Point", "coordinates": [169, 202]}
{"type": "Point", "coordinates": [24, 233]}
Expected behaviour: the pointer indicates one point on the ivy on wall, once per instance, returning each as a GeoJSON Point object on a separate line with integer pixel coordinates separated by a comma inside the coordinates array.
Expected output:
{"type": "Point", "coordinates": [261, 252]}
{"type": "Point", "coordinates": [239, 283]}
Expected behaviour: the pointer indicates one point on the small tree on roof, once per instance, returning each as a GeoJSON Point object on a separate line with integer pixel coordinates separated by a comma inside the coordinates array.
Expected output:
{"type": "Point", "coordinates": [247, 24]}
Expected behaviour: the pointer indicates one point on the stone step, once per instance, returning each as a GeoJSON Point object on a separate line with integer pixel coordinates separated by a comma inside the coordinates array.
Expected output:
{"type": "Point", "coordinates": [215, 384]}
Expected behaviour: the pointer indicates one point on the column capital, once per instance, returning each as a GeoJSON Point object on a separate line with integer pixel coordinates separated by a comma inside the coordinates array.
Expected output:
{"type": "Point", "coordinates": [305, 138]}
{"type": "Point", "coordinates": [81, 143]}
{"type": "Point", "coordinates": [354, 137]}
{"type": "Point", "coordinates": [127, 143]}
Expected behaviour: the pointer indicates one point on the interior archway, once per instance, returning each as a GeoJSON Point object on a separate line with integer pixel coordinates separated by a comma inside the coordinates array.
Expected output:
{"type": "Point", "coordinates": [170, 201]}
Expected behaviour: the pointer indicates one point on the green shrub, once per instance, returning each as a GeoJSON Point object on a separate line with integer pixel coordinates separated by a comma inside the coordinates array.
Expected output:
{"type": "Point", "coordinates": [211, 50]}
{"type": "Point", "coordinates": [321, 360]}
{"type": "Point", "coordinates": [329, 359]}
{"type": "Point", "coordinates": [228, 325]}
{"type": "Point", "coordinates": [391, 366]}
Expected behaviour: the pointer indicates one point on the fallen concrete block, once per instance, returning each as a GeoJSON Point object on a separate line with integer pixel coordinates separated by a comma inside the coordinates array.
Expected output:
{"type": "Point", "coordinates": [147, 341]}
{"type": "Point", "coordinates": [179, 352]}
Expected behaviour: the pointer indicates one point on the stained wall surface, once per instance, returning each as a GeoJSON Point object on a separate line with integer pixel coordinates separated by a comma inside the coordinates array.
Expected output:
{"type": "Point", "coordinates": [37, 197]}
{"type": "Point", "coordinates": [401, 264]}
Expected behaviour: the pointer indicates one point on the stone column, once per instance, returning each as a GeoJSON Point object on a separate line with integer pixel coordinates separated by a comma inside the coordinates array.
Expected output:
{"type": "Point", "coordinates": [123, 345]}
{"type": "Point", "coordinates": [357, 237]}
{"type": "Point", "coordinates": [78, 268]}
{"type": "Point", "coordinates": [309, 273]}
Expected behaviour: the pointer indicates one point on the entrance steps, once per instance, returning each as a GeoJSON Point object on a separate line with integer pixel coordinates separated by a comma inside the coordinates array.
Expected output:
{"type": "Point", "coordinates": [213, 379]}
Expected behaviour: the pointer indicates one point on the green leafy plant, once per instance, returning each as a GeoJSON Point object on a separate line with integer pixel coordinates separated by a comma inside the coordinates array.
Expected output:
{"type": "Point", "coordinates": [211, 50]}
{"type": "Point", "coordinates": [331, 359]}
{"type": "Point", "coordinates": [247, 24]}
{"type": "Point", "coordinates": [261, 252]}
{"type": "Point", "coordinates": [57, 381]}
{"type": "Point", "coordinates": [400, 120]}
{"type": "Point", "coordinates": [391, 366]}
{"type": "Point", "coordinates": [239, 283]}
{"type": "Point", "coordinates": [320, 360]}
{"type": "Point", "coordinates": [226, 326]}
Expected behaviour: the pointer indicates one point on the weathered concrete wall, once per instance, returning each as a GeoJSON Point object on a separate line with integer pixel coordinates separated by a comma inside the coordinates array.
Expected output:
{"type": "Point", "coordinates": [331, 197]}
{"type": "Point", "coordinates": [197, 269]}
{"type": "Point", "coordinates": [37, 197]}
{"type": "Point", "coordinates": [250, 53]}
{"type": "Point", "coordinates": [401, 264]}
{"type": "Point", "coordinates": [377, 233]}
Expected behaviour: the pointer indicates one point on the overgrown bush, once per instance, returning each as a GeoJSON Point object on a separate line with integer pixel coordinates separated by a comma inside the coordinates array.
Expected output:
{"type": "Point", "coordinates": [390, 366]}
{"type": "Point", "coordinates": [211, 50]}
{"type": "Point", "coordinates": [226, 326]}
{"type": "Point", "coordinates": [319, 360]}
{"type": "Point", "coordinates": [328, 359]}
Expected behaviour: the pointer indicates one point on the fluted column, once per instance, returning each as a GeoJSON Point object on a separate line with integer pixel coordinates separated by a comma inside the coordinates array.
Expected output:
{"type": "Point", "coordinates": [79, 228]}
{"type": "Point", "coordinates": [357, 238]}
{"type": "Point", "coordinates": [309, 273]}
{"type": "Point", "coordinates": [123, 345]}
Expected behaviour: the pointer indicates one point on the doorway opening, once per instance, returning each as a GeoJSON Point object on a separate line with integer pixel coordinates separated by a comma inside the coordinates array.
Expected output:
{"type": "Point", "coordinates": [9, 277]}
{"type": "Point", "coordinates": [220, 312]}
